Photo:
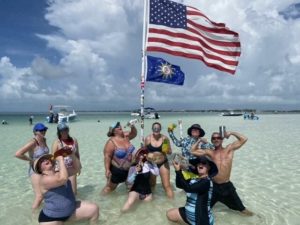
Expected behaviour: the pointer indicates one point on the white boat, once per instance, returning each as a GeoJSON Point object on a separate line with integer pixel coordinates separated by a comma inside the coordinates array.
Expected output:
{"type": "Point", "coordinates": [149, 113]}
{"type": "Point", "coordinates": [250, 116]}
{"type": "Point", "coordinates": [135, 113]}
{"type": "Point", "coordinates": [231, 114]}
{"type": "Point", "coordinates": [61, 113]}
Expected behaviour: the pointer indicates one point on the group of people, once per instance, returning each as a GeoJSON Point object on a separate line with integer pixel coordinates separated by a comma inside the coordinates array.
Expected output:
{"type": "Point", "coordinates": [54, 175]}
{"type": "Point", "coordinates": [211, 164]}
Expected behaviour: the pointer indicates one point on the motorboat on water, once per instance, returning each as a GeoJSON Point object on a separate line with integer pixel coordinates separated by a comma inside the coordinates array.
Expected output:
{"type": "Point", "coordinates": [61, 114]}
{"type": "Point", "coordinates": [231, 114]}
{"type": "Point", "coordinates": [149, 113]}
{"type": "Point", "coordinates": [135, 113]}
{"type": "Point", "coordinates": [250, 116]}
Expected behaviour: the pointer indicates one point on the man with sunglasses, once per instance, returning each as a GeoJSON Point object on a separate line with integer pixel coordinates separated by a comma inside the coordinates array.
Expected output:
{"type": "Point", "coordinates": [224, 190]}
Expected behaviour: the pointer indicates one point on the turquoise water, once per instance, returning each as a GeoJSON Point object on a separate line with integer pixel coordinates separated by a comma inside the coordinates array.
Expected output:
{"type": "Point", "coordinates": [265, 172]}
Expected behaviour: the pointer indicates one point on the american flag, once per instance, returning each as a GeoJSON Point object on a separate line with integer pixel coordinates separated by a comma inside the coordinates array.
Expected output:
{"type": "Point", "coordinates": [182, 30]}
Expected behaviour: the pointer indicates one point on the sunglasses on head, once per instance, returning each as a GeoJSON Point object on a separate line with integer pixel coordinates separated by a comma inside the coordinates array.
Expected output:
{"type": "Point", "coordinates": [216, 138]}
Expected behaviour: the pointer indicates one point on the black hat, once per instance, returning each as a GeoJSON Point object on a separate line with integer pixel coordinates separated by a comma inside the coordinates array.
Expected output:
{"type": "Point", "coordinates": [213, 171]}
{"type": "Point", "coordinates": [197, 127]}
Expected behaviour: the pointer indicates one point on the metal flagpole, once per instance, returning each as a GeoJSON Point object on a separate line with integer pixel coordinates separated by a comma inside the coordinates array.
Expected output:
{"type": "Point", "coordinates": [143, 72]}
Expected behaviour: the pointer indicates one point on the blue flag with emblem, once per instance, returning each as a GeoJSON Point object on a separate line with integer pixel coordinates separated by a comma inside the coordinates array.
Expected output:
{"type": "Point", "coordinates": [159, 70]}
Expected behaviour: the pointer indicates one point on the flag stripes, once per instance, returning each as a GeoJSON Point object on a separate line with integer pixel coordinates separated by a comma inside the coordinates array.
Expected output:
{"type": "Point", "coordinates": [213, 43]}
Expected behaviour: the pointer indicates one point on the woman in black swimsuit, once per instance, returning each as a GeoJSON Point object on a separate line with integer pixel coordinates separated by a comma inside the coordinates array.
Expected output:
{"type": "Point", "coordinates": [155, 144]}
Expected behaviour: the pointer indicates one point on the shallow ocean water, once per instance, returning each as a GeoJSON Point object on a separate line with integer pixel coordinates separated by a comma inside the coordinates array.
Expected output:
{"type": "Point", "coordinates": [265, 171]}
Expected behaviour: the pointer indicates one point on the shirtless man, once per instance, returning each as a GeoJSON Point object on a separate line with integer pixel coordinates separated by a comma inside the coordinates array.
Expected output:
{"type": "Point", "coordinates": [224, 191]}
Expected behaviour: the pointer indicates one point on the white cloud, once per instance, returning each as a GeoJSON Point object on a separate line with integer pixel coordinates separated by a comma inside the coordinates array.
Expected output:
{"type": "Point", "coordinates": [12, 79]}
{"type": "Point", "coordinates": [99, 43]}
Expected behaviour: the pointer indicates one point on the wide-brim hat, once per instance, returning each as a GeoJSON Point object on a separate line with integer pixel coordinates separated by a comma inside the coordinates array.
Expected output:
{"type": "Point", "coordinates": [196, 127]}
{"type": "Point", "coordinates": [213, 171]}
{"type": "Point", "coordinates": [112, 128]}
{"type": "Point", "coordinates": [140, 152]}
{"type": "Point", "coordinates": [36, 162]}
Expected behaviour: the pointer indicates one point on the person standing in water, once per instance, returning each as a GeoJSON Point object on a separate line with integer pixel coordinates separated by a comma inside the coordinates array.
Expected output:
{"type": "Point", "coordinates": [34, 149]}
{"type": "Point", "coordinates": [118, 153]}
{"type": "Point", "coordinates": [195, 132]}
{"type": "Point", "coordinates": [224, 190]}
{"type": "Point", "coordinates": [30, 120]}
{"type": "Point", "coordinates": [159, 145]}
{"type": "Point", "coordinates": [64, 140]}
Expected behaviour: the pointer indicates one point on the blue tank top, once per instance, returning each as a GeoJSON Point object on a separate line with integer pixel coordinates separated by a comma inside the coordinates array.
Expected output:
{"type": "Point", "coordinates": [59, 201]}
{"type": "Point", "coordinates": [38, 152]}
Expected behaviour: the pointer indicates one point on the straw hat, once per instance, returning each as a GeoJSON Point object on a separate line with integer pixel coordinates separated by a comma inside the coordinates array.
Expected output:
{"type": "Point", "coordinates": [141, 152]}
{"type": "Point", "coordinates": [37, 162]}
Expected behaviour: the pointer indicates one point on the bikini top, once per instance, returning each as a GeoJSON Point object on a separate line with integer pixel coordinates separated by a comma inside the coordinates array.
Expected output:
{"type": "Point", "coordinates": [71, 143]}
{"type": "Point", "coordinates": [123, 156]}
{"type": "Point", "coordinates": [39, 151]}
{"type": "Point", "coordinates": [152, 148]}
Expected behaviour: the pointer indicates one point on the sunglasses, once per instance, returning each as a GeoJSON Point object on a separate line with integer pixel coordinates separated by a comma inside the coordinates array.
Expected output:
{"type": "Point", "coordinates": [156, 129]}
{"type": "Point", "coordinates": [202, 163]}
{"type": "Point", "coordinates": [216, 138]}
{"type": "Point", "coordinates": [44, 130]}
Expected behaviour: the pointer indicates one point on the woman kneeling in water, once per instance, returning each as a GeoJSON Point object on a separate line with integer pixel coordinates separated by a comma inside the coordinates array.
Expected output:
{"type": "Point", "coordinates": [60, 204]}
{"type": "Point", "coordinates": [139, 179]}
{"type": "Point", "coordinates": [197, 210]}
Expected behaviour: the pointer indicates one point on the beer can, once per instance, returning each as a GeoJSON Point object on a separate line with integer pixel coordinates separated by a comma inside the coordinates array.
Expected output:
{"type": "Point", "coordinates": [222, 131]}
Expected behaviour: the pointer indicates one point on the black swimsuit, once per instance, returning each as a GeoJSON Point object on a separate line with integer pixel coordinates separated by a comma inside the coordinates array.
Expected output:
{"type": "Point", "coordinates": [151, 148]}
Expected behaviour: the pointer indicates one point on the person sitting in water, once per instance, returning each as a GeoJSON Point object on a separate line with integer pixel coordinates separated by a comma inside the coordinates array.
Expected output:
{"type": "Point", "coordinates": [60, 204]}
{"type": "Point", "coordinates": [117, 156]}
{"type": "Point", "coordinates": [197, 210]}
{"type": "Point", "coordinates": [36, 147]}
{"type": "Point", "coordinates": [4, 122]}
{"type": "Point", "coordinates": [64, 140]}
{"type": "Point", "coordinates": [195, 132]}
{"type": "Point", "coordinates": [139, 179]}
{"type": "Point", "coordinates": [224, 190]}
{"type": "Point", "coordinates": [159, 144]}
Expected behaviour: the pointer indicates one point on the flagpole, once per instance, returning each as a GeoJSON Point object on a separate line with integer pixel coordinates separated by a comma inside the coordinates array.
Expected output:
{"type": "Point", "coordinates": [143, 73]}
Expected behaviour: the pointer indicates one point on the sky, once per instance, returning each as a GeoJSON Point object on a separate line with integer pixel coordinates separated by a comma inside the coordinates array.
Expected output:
{"type": "Point", "coordinates": [87, 54]}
